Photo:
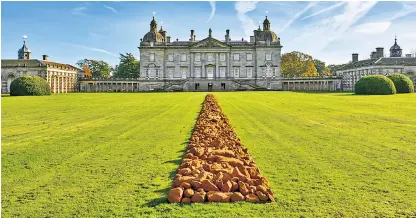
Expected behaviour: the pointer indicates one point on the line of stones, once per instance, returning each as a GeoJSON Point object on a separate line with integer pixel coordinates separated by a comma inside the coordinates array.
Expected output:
{"type": "Point", "coordinates": [216, 167]}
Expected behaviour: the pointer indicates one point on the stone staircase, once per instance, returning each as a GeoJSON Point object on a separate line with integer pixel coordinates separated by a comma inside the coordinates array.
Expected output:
{"type": "Point", "coordinates": [175, 85]}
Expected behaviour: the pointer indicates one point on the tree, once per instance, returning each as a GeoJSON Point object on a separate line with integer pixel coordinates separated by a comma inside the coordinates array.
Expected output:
{"type": "Point", "coordinates": [129, 67]}
{"type": "Point", "coordinates": [87, 72]}
{"type": "Point", "coordinates": [97, 68]}
{"type": "Point", "coordinates": [311, 69]}
{"type": "Point", "coordinates": [321, 68]}
{"type": "Point", "coordinates": [297, 64]}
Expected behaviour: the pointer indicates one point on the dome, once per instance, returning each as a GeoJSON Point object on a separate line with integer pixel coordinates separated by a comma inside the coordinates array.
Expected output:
{"type": "Point", "coordinates": [395, 50]}
{"type": "Point", "coordinates": [395, 46]}
{"type": "Point", "coordinates": [270, 35]}
{"type": "Point", "coordinates": [153, 37]}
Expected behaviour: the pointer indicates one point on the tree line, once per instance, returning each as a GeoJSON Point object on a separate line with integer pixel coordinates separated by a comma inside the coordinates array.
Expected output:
{"type": "Point", "coordinates": [129, 67]}
{"type": "Point", "coordinates": [294, 64]}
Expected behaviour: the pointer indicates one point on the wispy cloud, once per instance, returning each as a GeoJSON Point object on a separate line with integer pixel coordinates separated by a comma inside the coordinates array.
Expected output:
{"type": "Point", "coordinates": [110, 8]}
{"type": "Point", "coordinates": [297, 15]}
{"type": "Point", "coordinates": [79, 10]}
{"type": "Point", "coordinates": [325, 10]}
{"type": "Point", "coordinates": [91, 49]}
{"type": "Point", "coordinates": [246, 22]}
{"type": "Point", "coordinates": [213, 9]}
{"type": "Point", "coordinates": [381, 27]}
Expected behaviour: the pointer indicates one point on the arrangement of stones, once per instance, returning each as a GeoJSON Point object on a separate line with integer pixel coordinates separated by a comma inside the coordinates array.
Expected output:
{"type": "Point", "coordinates": [216, 167]}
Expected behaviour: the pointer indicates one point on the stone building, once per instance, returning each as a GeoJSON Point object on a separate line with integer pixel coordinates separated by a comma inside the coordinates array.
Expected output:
{"type": "Point", "coordinates": [62, 78]}
{"type": "Point", "coordinates": [210, 64]}
{"type": "Point", "coordinates": [376, 64]}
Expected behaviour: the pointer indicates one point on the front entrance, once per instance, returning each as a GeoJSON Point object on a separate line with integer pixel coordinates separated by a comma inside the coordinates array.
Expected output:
{"type": "Point", "coordinates": [210, 72]}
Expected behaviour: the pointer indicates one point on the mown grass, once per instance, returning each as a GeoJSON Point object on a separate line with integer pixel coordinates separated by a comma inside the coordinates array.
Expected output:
{"type": "Point", "coordinates": [325, 154]}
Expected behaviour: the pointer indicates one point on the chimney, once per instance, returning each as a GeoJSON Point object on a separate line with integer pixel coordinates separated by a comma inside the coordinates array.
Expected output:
{"type": "Point", "coordinates": [227, 35]}
{"type": "Point", "coordinates": [45, 57]}
{"type": "Point", "coordinates": [408, 55]}
{"type": "Point", "coordinates": [373, 55]}
{"type": "Point", "coordinates": [380, 52]}
{"type": "Point", "coordinates": [192, 36]}
{"type": "Point", "coordinates": [168, 37]}
{"type": "Point", "coordinates": [354, 57]}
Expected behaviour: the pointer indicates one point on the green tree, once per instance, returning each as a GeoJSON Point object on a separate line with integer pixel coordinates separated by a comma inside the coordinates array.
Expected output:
{"type": "Point", "coordinates": [129, 67]}
{"type": "Point", "coordinates": [322, 69]}
{"type": "Point", "coordinates": [297, 64]}
{"type": "Point", "coordinates": [97, 68]}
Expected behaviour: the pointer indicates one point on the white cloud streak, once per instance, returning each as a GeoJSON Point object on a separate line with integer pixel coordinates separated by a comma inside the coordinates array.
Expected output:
{"type": "Point", "coordinates": [110, 8]}
{"type": "Point", "coordinates": [92, 49]}
{"type": "Point", "coordinates": [297, 15]}
{"type": "Point", "coordinates": [213, 9]}
{"type": "Point", "coordinates": [79, 10]}
{"type": "Point", "coordinates": [247, 23]}
{"type": "Point", "coordinates": [325, 10]}
{"type": "Point", "coordinates": [381, 27]}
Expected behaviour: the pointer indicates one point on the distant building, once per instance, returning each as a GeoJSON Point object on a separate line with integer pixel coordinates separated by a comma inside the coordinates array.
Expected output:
{"type": "Point", "coordinates": [377, 64]}
{"type": "Point", "coordinates": [209, 63]}
{"type": "Point", "coordinates": [61, 77]}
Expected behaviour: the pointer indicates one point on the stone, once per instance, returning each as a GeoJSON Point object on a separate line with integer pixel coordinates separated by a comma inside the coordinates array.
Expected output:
{"type": "Point", "coordinates": [198, 197]}
{"type": "Point", "coordinates": [185, 185]}
{"type": "Point", "coordinates": [175, 195]}
{"type": "Point", "coordinates": [214, 196]}
{"type": "Point", "coordinates": [262, 197]}
{"type": "Point", "coordinates": [237, 196]}
{"type": "Point", "coordinates": [252, 198]}
{"type": "Point", "coordinates": [236, 173]}
{"type": "Point", "coordinates": [185, 171]}
{"type": "Point", "coordinates": [196, 184]}
{"type": "Point", "coordinates": [227, 186]}
{"type": "Point", "coordinates": [186, 201]}
{"type": "Point", "coordinates": [209, 186]}
{"type": "Point", "coordinates": [188, 193]}
{"type": "Point", "coordinates": [243, 188]}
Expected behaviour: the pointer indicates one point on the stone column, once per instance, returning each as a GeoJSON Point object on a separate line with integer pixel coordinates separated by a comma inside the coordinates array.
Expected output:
{"type": "Point", "coordinates": [227, 75]}
{"type": "Point", "coordinates": [191, 71]}
{"type": "Point", "coordinates": [217, 73]}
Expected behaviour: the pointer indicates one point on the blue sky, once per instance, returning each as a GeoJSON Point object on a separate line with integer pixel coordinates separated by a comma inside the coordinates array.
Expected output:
{"type": "Point", "coordinates": [330, 31]}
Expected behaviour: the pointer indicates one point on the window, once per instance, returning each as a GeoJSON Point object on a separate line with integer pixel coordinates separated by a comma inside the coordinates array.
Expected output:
{"type": "Point", "coordinates": [170, 57]}
{"type": "Point", "coordinates": [249, 56]}
{"type": "Point", "coordinates": [222, 72]}
{"type": "Point", "coordinates": [268, 57]}
{"type": "Point", "coordinates": [209, 57]}
{"type": "Point", "coordinates": [197, 57]}
{"type": "Point", "coordinates": [197, 72]}
{"type": "Point", "coordinates": [249, 72]}
{"type": "Point", "coordinates": [183, 57]}
{"type": "Point", "coordinates": [236, 57]}
{"type": "Point", "coordinates": [184, 71]}
{"type": "Point", "coordinates": [236, 72]}
{"type": "Point", "coordinates": [222, 56]}
{"type": "Point", "coordinates": [170, 72]}
{"type": "Point", "coordinates": [152, 57]}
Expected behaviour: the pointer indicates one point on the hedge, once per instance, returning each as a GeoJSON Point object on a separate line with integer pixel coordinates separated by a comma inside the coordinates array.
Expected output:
{"type": "Point", "coordinates": [402, 83]}
{"type": "Point", "coordinates": [375, 85]}
{"type": "Point", "coordinates": [29, 85]}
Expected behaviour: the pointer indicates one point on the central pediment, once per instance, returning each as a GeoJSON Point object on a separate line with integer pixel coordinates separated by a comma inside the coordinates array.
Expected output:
{"type": "Point", "coordinates": [209, 43]}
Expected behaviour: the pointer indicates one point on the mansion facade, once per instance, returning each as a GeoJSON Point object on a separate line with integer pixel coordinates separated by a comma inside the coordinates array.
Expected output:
{"type": "Point", "coordinates": [62, 78]}
{"type": "Point", "coordinates": [210, 64]}
{"type": "Point", "coordinates": [377, 64]}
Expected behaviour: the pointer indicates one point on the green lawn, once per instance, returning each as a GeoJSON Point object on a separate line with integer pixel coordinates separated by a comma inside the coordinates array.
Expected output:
{"type": "Point", "coordinates": [90, 155]}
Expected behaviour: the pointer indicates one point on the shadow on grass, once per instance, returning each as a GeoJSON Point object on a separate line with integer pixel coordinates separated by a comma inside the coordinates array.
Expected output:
{"type": "Point", "coordinates": [164, 192]}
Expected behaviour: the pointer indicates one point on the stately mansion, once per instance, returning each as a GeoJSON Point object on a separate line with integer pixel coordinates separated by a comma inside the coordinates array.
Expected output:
{"type": "Point", "coordinates": [62, 78]}
{"type": "Point", "coordinates": [376, 64]}
{"type": "Point", "coordinates": [211, 64]}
